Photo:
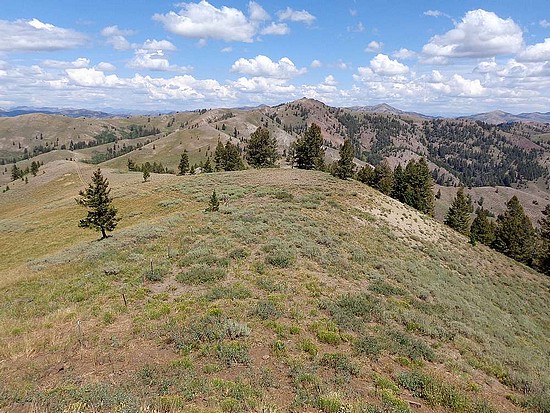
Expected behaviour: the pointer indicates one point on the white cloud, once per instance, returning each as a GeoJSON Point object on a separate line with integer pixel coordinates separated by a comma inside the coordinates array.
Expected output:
{"type": "Point", "coordinates": [435, 13]}
{"type": "Point", "coordinates": [479, 34]}
{"type": "Point", "coordinates": [488, 66]}
{"type": "Point", "coordinates": [110, 31]}
{"type": "Point", "coordinates": [374, 46]}
{"type": "Point", "coordinates": [263, 85]}
{"type": "Point", "coordinates": [545, 23]}
{"type": "Point", "coordinates": [119, 43]}
{"type": "Point", "coordinates": [154, 60]}
{"type": "Point", "coordinates": [340, 64]}
{"type": "Point", "coordinates": [158, 45]}
{"type": "Point", "coordinates": [315, 64]}
{"type": "Point", "coordinates": [302, 16]}
{"type": "Point", "coordinates": [278, 29]}
{"type": "Point", "coordinates": [536, 53]}
{"type": "Point", "coordinates": [263, 66]}
{"type": "Point", "coordinates": [330, 81]}
{"type": "Point", "coordinates": [257, 12]}
{"type": "Point", "coordinates": [382, 65]}
{"type": "Point", "coordinates": [34, 35]}
{"type": "Point", "coordinates": [358, 28]}
{"type": "Point", "coordinates": [105, 67]}
{"type": "Point", "coordinates": [204, 21]}
{"type": "Point", "coordinates": [404, 54]}
{"type": "Point", "coordinates": [60, 64]}
{"type": "Point", "coordinates": [466, 87]}
{"type": "Point", "coordinates": [227, 50]}
{"type": "Point", "coordinates": [92, 78]}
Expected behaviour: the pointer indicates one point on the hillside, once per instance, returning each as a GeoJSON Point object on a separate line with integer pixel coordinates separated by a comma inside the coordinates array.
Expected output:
{"type": "Point", "coordinates": [304, 293]}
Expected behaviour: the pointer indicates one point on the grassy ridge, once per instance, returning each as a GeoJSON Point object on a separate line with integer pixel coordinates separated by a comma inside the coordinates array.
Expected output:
{"type": "Point", "coordinates": [303, 293]}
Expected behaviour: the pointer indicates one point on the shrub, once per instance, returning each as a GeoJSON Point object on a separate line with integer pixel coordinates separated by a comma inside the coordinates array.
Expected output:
{"type": "Point", "coordinates": [266, 309]}
{"type": "Point", "coordinates": [369, 346]}
{"type": "Point", "coordinates": [231, 292]}
{"type": "Point", "coordinates": [309, 347]}
{"type": "Point", "coordinates": [232, 353]}
{"type": "Point", "coordinates": [340, 363]}
{"type": "Point", "coordinates": [353, 311]}
{"type": "Point", "coordinates": [411, 347]}
{"type": "Point", "coordinates": [281, 258]}
{"type": "Point", "coordinates": [201, 274]}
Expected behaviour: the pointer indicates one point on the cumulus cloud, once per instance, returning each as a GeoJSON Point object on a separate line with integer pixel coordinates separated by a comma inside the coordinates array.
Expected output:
{"type": "Point", "coordinates": [404, 54]}
{"type": "Point", "coordinates": [488, 66]}
{"type": "Point", "coordinates": [374, 46]}
{"type": "Point", "coordinates": [257, 12]}
{"type": "Point", "coordinates": [536, 53]}
{"type": "Point", "coordinates": [382, 65]}
{"type": "Point", "coordinates": [263, 66]}
{"type": "Point", "coordinates": [227, 50]}
{"type": "Point", "coordinates": [315, 64]}
{"type": "Point", "coordinates": [60, 64]}
{"type": "Point", "coordinates": [158, 45]}
{"type": "Point", "coordinates": [34, 35]}
{"type": "Point", "coordinates": [117, 37]}
{"type": "Point", "coordinates": [330, 81]}
{"type": "Point", "coordinates": [154, 60]}
{"type": "Point", "coordinates": [358, 28]}
{"type": "Point", "coordinates": [90, 77]}
{"type": "Point", "coordinates": [105, 67]}
{"type": "Point", "coordinates": [263, 85]}
{"type": "Point", "coordinates": [302, 16]}
{"type": "Point", "coordinates": [544, 23]}
{"type": "Point", "coordinates": [435, 13]}
{"type": "Point", "coordinates": [110, 31]}
{"type": "Point", "coordinates": [205, 21]}
{"type": "Point", "coordinates": [278, 29]}
{"type": "Point", "coordinates": [479, 34]}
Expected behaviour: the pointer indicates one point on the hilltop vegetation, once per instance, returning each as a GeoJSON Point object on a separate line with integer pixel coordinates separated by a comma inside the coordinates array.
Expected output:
{"type": "Point", "coordinates": [303, 292]}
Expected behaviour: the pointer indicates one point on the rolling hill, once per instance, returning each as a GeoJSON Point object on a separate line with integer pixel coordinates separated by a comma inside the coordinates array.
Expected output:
{"type": "Point", "coordinates": [304, 293]}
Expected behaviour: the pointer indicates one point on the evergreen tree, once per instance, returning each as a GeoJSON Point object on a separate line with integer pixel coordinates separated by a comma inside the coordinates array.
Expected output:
{"type": "Point", "coordinates": [399, 184]}
{"type": "Point", "coordinates": [146, 172]}
{"type": "Point", "coordinates": [232, 158]}
{"type": "Point", "coordinates": [482, 229]}
{"type": "Point", "coordinates": [366, 175]}
{"type": "Point", "coordinates": [132, 165]}
{"type": "Point", "coordinates": [458, 216]}
{"type": "Point", "coordinates": [345, 167]}
{"type": "Point", "coordinates": [184, 163]}
{"type": "Point", "coordinates": [419, 187]}
{"type": "Point", "coordinates": [514, 235]}
{"type": "Point", "coordinates": [15, 173]}
{"type": "Point", "coordinates": [219, 156]}
{"type": "Point", "coordinates": [383, 178]}
{"type": "Point", "coordinates": [261, 151]}
{"type": "Point", "coordinates": [207, 167]}
{"type": "Point", "coordinates": [34, 168]}
{"type": "Point", "coordinates": [308, 151]}
{"type": "Point", "coordinates": [214, 203]}
{"type": "Point", "coordinates": [544, 222]}
{"type": "Point", "coordinates": [101, 213]}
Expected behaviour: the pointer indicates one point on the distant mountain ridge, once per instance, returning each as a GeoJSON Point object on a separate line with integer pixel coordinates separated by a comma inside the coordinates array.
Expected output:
{"type": "Point", "coordinates": [73, 113]}
{"type": "Point", "coordinates": [385, 108]}
{"type": "Point", "coordinates": [497, 117]}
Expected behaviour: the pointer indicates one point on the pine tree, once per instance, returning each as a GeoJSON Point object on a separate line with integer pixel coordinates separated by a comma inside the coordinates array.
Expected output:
{"type": "Point", "coordinates": [261, 151]}
{"type": "Point", "coordinates": [458, 216]}
{"type": "Point", "coordinates": [544, 222]}
{"type": "Point", "coordinates": [34, 168]}
{"type": "Point", "coordinates": [214, 203]}
{"type": "Point", "coordinates": [219, 156]}
{"type": "Point", "coordinates": [345, 167]}
{"type": "Point", "coordinates": [482, 228]}
{"type": "Point", "coordinates": [383, 178]}
{"type": "Point", "coordinates": [366, 175]}
{"type": "Point", "coordinates": [146, 173]}
{"type": "Point", "coordinates": [207, 167]}
{"type": "Point", "coordinates": [419, 187]}
{"type": "Point", "coordinates": [308, 151]}
{"type": "Point", "coordinates": [184, 163]}
{"type": "Point", "coordinates": [232, 158]}
{"type": "Point", "coordinates": [101, 213]}
{"type": "Point", "coordinates": [514, 235]}
{"type": "Point", "coordinates": [399, 184]}
{"type": "Point", "coordinates": [15, 173]}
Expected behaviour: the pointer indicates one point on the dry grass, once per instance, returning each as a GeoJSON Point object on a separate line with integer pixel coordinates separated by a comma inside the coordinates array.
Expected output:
{"type": "Point", "coordinates": [324, 283]}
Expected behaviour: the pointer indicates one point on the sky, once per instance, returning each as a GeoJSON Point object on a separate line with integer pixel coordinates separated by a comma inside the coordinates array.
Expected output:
{"type": "Point", "coordinates": [438, 57]}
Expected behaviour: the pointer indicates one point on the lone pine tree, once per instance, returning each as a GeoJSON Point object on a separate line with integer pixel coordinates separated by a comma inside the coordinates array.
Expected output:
{"type": "Point", "coordinates": [184, 163]}
{"type": "Point", "coordinates": [308, 150]}
{"type": "Point", "coordinates": [101, 213]}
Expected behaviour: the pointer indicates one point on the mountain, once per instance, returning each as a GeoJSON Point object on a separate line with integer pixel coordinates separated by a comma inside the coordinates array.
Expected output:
{"type": "Point", "coordinates": [497, 117]}
{"type": "Point", "coordinates": [74, 113]}
{"type": "Point", "coordinates": [303, 293]}
{"type": "Point", "coordinates": [385, 108]}
{"type": "Point", "coordinates": [471, 152]}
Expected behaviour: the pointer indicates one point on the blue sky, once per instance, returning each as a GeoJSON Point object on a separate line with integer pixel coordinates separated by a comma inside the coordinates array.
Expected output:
{"type": "Point", "coordinates": [436, 57]}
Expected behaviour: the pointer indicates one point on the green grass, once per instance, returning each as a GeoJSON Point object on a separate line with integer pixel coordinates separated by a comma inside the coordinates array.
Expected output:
{"type": "Point", "coordinates": [299, 278]}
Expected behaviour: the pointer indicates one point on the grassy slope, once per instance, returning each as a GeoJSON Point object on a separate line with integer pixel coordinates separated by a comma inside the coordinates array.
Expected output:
{"type": "Point", "coordinates": [303, 293]}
